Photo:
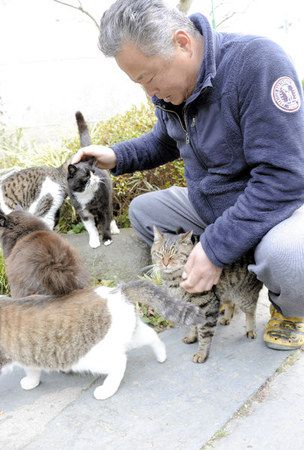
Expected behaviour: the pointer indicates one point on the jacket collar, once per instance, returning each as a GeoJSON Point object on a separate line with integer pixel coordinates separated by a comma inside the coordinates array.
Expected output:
{"type": "Point", "coordinates": [208, 68]}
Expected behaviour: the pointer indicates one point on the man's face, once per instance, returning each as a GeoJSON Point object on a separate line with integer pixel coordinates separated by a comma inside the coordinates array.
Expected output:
{"type": "Point", "coordinates": [171, 80]}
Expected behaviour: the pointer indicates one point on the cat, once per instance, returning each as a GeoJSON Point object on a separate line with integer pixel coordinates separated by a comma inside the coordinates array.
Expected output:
{"type": "Point", "coordinates": [90, 191]}
{"type": "Point", "coordinates": [88, 330]}
{"type": "Point", "coordinates": [37, 259]}
{"type": "Point", "coordinates": [40, 190]}
{"type": "Point", "coordinates": [237, 286]}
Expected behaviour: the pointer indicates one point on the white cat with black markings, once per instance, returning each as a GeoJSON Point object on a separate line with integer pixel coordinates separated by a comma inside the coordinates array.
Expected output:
{"type": "Point", "coordinates": [90, 190]}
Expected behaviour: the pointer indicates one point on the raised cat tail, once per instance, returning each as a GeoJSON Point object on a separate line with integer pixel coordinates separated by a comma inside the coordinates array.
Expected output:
{"type": "Point", "coordinates": [84, 134]}
{"type": "Point", "coordinates": [175, 310]}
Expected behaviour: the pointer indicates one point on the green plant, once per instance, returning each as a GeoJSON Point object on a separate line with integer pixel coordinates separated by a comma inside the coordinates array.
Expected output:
{"type": "Point", "coordinates": [4, 288]}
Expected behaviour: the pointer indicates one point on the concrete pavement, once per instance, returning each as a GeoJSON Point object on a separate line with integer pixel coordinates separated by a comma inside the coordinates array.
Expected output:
{"type": "Point", "coordinates": [244, 396]}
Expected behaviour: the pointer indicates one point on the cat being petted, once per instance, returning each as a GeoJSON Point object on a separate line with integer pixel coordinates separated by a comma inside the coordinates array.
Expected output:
{"type": "Point", "coordinates": [39, 190]}
{"type": "Point", "coordinates": [37, 259]}
{"type": "Point", "coordinates": [89, 330]}
{"type": "Point", "coordinates": [90, 190]}
{"type": "Point", "coordinates": [237, 286]}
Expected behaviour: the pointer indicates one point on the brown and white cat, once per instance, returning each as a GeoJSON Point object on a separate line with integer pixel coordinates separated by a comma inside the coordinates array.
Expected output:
{"type": "Point", "coordinates": [90, 191]}
{"type": "Point", "coordinates": [39, 190]}
{"type": "Point", "coordinates": [89, 330]}
{"type": "Point", "coordinates": [237, 286]}
{"type": "Point", "coordinates": [86, 331]}
{"type": "Point", "coordinates": [37, 259]}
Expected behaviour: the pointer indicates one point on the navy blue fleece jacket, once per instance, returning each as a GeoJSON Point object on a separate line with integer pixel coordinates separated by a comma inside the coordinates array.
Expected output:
{"type": "Point", "coordinates": [241, 138]}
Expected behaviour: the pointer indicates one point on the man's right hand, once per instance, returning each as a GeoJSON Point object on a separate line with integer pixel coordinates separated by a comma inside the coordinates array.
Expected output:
{"type": "Point", "coordinates": [104, 156]}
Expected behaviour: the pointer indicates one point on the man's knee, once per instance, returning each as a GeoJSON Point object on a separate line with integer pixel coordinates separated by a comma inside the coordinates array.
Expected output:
{"type": "Point", "coordinates": [140, 207]}
{"type": "Point", "coordinates": [281, 251]}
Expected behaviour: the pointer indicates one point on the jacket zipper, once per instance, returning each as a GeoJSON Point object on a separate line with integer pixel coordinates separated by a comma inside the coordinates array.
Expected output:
{"type": "Point", "coordinates": [181, 123]}
{"type": "Point", "coordinates": [185, 130]}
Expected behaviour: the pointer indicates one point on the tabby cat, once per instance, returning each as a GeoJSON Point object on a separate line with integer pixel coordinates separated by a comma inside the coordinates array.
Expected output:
{"type": "Point", "coordinates": [237, 286]}
{"type": "Point", "coordinates": [90, 190]}
{"type": "Point", "coordinates": [38, 260]}
{"type": "Point", "coordinates": [39, 190]}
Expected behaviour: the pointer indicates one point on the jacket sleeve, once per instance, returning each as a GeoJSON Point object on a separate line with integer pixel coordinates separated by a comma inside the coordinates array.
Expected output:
{"type": "Point", "coordinates": [146, 152]}
{"type": "Point", "coordinates": [273, 144]}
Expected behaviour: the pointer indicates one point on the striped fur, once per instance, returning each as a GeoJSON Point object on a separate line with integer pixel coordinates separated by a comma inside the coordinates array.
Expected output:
{"type": "Point", "coordinates": [237, 286]}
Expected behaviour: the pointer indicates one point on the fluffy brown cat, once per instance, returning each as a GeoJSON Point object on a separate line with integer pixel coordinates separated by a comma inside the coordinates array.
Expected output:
{"type": "Point", "coordinates": [38, 260]}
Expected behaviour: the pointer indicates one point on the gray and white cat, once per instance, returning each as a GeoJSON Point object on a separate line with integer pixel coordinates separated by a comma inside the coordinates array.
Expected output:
{"type": "Point", "coordinates": [40, 190]}
{"type": "Point", "coordinates": [237, 286]}
{"type": "Point", "coordinates": [71, 328]}
{"type": "Point", "coordinates": [90, 190]}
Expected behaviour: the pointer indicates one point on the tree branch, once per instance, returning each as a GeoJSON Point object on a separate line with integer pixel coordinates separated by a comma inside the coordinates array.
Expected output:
{"type": "Point", "coordinates": [79, 8]}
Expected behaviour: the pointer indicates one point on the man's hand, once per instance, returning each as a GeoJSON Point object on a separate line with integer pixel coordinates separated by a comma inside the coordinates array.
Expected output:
{"type": "Point", "coordinates": [200, 274]}
{"type": "Point", "coordinates": [104, 156]}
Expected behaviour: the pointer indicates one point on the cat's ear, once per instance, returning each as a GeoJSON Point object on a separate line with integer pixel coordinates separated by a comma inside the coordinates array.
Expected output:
{"type": "Point", "coordinates": [18, 208]}
{"type": "Point", "coordinates": [72, 169]}
{"type": "Point", "coordinates": [186, 237]}
{"type": "Point", "coordinates": [157, 234]}
{"type": "Point", "coordinates": [3, 220]}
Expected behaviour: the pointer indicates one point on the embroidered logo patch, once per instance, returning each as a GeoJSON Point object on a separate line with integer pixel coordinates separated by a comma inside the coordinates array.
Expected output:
{"type": "Point", "coordinates": [285, 95]}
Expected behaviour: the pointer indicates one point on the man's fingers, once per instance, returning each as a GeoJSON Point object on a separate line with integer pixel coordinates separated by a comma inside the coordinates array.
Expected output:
{"type": "Point", "coordinates": [77, 157]}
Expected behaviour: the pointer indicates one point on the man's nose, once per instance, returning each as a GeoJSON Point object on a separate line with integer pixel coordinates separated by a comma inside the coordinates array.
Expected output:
{"type": "Point", "coordinates": [149, 91]}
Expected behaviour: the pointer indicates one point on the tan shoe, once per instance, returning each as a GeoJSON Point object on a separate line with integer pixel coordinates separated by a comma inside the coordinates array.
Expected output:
{"type": "Point", "coordinates": [284, 333]}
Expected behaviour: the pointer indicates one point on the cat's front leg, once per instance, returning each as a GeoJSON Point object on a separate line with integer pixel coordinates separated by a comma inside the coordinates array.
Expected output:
{"type": "Point", "coordinates": [90, 226]}
{"type": "Point", "coordinates": [192, 336]}
{"type": "Point", "coordinates": [113, 380]}
{"type": "Point", "coordinates": [32, 378]}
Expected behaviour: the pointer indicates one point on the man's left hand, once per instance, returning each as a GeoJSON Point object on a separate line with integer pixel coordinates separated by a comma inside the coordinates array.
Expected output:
{"type": "Point", "coordinates": [200, 274]}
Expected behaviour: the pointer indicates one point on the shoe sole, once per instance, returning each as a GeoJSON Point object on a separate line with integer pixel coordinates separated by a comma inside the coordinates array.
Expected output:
{"type": "Point", "coordinates": [281, 347]}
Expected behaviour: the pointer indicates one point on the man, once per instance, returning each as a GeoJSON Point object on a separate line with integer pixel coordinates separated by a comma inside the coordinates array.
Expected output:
{"type": "Point", "coordinates": [230, 106]}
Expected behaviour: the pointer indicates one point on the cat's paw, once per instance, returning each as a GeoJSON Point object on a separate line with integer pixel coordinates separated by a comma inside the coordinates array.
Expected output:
{"type": "Point", "coordinates": [29, 383]}
{"type": "Point", "coordinates": [224, 321]}
{"type": "Point", "coordinates": [189, 339]}
{"type": "Point", "coordinates": [101, 393]}
{"type": "Point", "coordinates": [114, 228]}
{"type": "Point", "coordinates": [200, 357]}
{"type": "Point", "coordinates": [161, 354]}
{"type": "Point", "coordinates": [108, 242]}
{"type": "Point", "coordinates": [251, 334]}
{"type": "Point", "coordinates": [94, 243]}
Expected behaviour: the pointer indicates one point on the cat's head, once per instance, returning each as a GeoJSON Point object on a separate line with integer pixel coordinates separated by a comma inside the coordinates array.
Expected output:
{"type": "Point", "coordinates": [82, 177]}
{"type": "Point", "coordinates": [170, 251]}
{"type": "Point", "coordinates": [17, 224]}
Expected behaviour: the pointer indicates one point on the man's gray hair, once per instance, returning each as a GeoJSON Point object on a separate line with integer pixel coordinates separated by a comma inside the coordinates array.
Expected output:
{"type": "Point", "coordinates": [149, 24]}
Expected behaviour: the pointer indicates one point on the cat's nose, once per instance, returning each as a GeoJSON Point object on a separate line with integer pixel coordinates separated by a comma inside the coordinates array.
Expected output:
{"type": "Point", "coordinates": [166, 261]}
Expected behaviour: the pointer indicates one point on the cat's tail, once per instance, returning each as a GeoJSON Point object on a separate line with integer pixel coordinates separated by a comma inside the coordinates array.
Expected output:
{"type": "Point", "coordinates": [175, 310]}
{"type": "Point", "coordinates": [85, 138]}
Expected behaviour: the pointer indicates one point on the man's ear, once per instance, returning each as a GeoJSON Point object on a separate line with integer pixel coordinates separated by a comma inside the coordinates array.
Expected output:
{"type": "Point", "coordinates": [182, 40]}
{"type": "Point", "coordinates": [3, 220]}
